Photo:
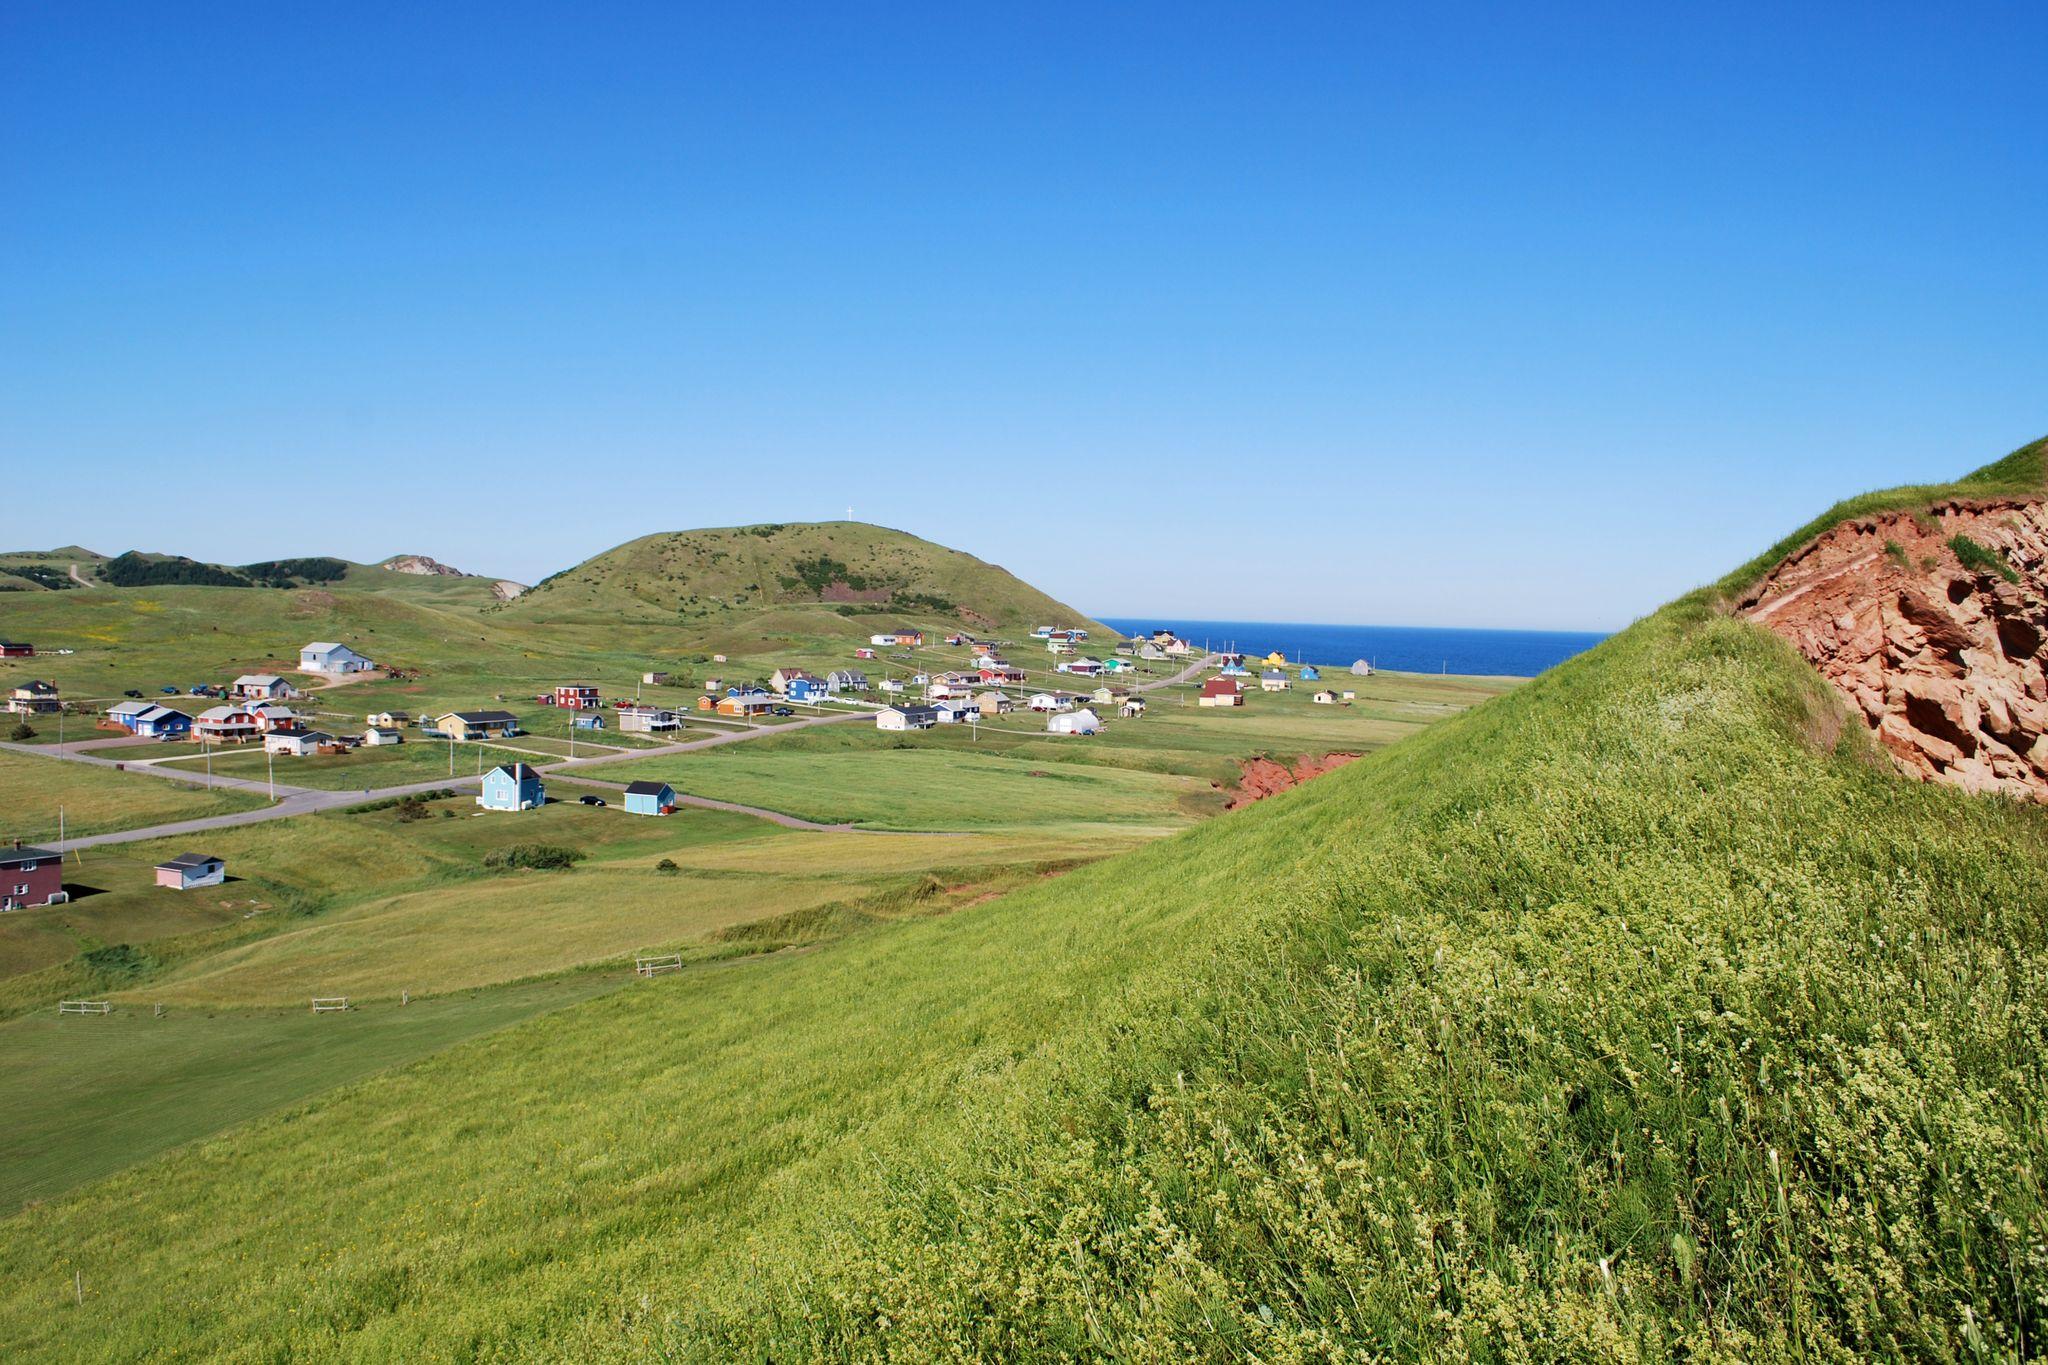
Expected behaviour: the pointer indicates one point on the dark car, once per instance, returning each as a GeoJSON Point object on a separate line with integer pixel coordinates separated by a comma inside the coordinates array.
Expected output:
{"type": "Point", "coordinates": [168, 691]}
{"type": "Point", "coordinates": [781, 711]}
{"type": "Point", "coordinates": [591, 800]}
{"type": "Point", "coordinates": [131, 692]}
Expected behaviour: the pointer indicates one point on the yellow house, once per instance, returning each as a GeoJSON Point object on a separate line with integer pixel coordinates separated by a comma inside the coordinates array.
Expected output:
{"type": "Point", "coordinates": [1276, 659]}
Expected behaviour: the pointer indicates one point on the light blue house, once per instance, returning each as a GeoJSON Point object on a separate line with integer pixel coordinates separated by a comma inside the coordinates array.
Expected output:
{"type": "Point", "coordinates": [650, 798]}
{"type": "Point", "coordinates": [512, 786]}
{"type": "Point", "coordinates": [1310, 673]}
{"type": "Point", "coordinates": [588, 720]}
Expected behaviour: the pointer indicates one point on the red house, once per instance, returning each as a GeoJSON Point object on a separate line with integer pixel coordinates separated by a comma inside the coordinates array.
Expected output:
{"type": "Point", "coordinates": [30, 876]}
{"type": "Point", "coordinates": [577, 697]}
{"type": "Point", "coordinates": [1221, 692]}
{"type": "Point", "coordinates": [17, 649]}
{"type": "Point", "coordinates": [1002, 673]}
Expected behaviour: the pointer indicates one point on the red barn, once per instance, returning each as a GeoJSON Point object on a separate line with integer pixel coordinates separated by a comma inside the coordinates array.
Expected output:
{"type": "Point", "coordinates": [577, 697]}
{"type": "Point", "coordinates": [17, 649]}
{"type": "Point", "coordinates": [30, 876]}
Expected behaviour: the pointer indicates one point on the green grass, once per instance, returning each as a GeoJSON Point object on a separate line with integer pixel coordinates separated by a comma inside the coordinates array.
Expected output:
{"type": "Point", "coordinates": [96, 799]}
{"type": "Point", "coordinates": [1642, 1011]}
{"type": "Point", "coordinates": [91, 1095]}
{"type": "Point", "coordinates": [920, 787]}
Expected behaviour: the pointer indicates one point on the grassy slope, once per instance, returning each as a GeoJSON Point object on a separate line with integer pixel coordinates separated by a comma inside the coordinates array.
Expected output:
{"type": "Point", "coordinates": [1400, 1058]}
{"type": "Point", "coordinates": [1632, 1011]}
{"type": "Point", "coordinates": [2024, 473]}
{"type": "Point", "coordinates": [710, 573]}
{"type": "Point", "coordinates": [96, 799]}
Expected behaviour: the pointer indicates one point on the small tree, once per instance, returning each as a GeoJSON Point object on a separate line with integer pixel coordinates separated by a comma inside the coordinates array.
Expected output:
{"type": "Point", "coordinates": [22, 730]}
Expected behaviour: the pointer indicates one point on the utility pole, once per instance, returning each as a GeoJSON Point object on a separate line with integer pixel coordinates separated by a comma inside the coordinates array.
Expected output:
{"type": "Point", "coordinates": [270, 765]}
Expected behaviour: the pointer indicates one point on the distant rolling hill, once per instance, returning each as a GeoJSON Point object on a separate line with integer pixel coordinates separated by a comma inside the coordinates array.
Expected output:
{"type": "Point", "coordinates": [74, 567]}
{"type": "Point", "coordinates": [799, 578]}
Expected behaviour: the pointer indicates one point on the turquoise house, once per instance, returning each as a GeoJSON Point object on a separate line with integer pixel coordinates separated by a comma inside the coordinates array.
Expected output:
{"type": "Point", "coordinates": [512, 786]}
{"type": "Point", "coordinates": [650, 798]}
{"type": "Point", "coordinates": [1310, 673]}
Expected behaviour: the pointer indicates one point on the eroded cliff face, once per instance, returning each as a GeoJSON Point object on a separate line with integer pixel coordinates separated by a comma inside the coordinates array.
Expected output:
{"type": "Point", "coordinates": [1262, 777]}
{"type": "Point", "coordinates": [1943, 659]}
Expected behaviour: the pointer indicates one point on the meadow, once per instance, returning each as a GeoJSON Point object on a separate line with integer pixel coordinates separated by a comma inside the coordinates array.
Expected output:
{"type": "Point", "coordinates": [1517, 1037]}
{"type": "Point", "coordinates": [96, 799]}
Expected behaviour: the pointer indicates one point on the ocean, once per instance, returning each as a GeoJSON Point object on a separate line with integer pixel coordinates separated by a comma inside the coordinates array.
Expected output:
{"type": "Point", "coordinates": [1402, 649]}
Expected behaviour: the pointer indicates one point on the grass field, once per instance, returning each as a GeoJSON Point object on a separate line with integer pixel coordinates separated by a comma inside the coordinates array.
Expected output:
{"type": "Point", "coordinates": [96, 799]}
{"type": "Point", "coordinates": [1641, 1012]}
{"type": "Point", "coordinates": [91, 1095]}
{"type": "Point", "coordinates": [922, 788]}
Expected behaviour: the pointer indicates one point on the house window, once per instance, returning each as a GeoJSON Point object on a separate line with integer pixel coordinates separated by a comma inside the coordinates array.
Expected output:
{"type": "Point", "coordinates": [21, 889]}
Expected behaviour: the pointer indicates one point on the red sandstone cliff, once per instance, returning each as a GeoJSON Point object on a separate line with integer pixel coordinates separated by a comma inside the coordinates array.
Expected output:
{"type": "Point", "coordinates": [1942, 659]}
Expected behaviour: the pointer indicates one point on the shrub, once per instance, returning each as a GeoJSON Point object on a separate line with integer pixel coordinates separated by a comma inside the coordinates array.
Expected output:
{"type": "Point", "coordinates": [667, 865]}
{"type": "Point", "coordinates": [1897, 554]}
{"type": "Point", "coordinates": [412, 808]}
{"type": "Point", "coordinates": [22, 730]}
{"type": "Point", "coordinates": [119, 962]}
{"type": "Point", "coordinates": [1981, 558]}
{"type": "Point", "coordinates": [551, 857]}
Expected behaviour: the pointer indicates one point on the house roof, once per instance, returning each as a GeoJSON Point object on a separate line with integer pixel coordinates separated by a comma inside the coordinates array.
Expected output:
{"type": "Point", "coordinates": [1220, 687]}
{"type": "Point", "coordinates": [379, 730]}
{"type": "Point", "coordinates": [518, 772]}
{"type": "Point", "coordinates": [130, 708]}
{"type": "Point", "coordinates": [186, 861]}
{"type": "Point", "coordinates": [14, 857]}
{"type": "Point", "coordinates": [36, 688]}
{"type": "Point", "coordinates": [260, 679]}
{"type": "Point", "coordinates": [648, 788]}
{"type": "Point", "coordinates": [483, 717]}
{"type": "Point", "coordinates": [223, 712]}
{"type": "Point", "coordinates": [158, 713]}
{"type": "Point", "coordinates": [323, 647]}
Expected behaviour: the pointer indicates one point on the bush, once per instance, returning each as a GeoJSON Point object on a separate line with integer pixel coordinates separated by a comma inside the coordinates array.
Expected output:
{"type": "Point", "coordinates": [22, 730]}
{"type": "Point", "coordinates": [667, 865]}
{"type": "Point", "coordinates": [1982, 558]}
{"type": "Point", "coordinates": [551, 857]}
{"type": "Point", "coordinates": [412, 808]}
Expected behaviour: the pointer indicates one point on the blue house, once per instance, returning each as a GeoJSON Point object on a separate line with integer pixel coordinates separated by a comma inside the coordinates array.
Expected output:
{"type": "Point", "coordinates": [512, 786]}
{"type": "Point", "coordinates": [1310, 673]}
{"type": "Point", "coordinates": [160, 722]}
{"type": "Point", "coordinates": [650, 798]}
{"type": "Point", "coordinates": [588, 720]}
{"type": "Point", "coordinates": [806, 689]}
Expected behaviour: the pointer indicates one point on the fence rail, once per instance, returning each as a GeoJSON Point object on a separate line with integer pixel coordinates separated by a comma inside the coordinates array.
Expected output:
{"type": "Point", "coordinates": [651, 964]}
{"type": "Point", "coordinates": [329, 1004]}
{"type": "Point", "coordinates": [84, 1007]}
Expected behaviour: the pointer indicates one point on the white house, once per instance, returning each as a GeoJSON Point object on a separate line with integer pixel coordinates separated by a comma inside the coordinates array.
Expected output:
{"type": "Point", "coordinates": [376, 737]}
{"type": "Point", "coordinates": [1324, 698]}
{"type": "Point", "coordinates": [297, 743]}
{"type": "Point", "coordinates": [1081, 722]}
{"type": "Point", "coordinates": [1273, 680]}
{"type": "Point", "coordinates": [846, 680]}
{"type": "Point", "coordinates": [891, 684]}
{"type": "Point", "coordinates": [957, 712]}
{"type": "Point", "coordinates": [389, 720]}
{"type": "Point", "coordinates": [325, 656]}
{"type": "Point", "coordinates": [1048, 701]}
{"type": "Point", "coordinates": [906, 718]}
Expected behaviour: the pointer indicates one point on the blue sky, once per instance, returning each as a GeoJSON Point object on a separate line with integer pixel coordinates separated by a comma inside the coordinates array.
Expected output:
{"type": "Point", "coordinates": [1445, 315]}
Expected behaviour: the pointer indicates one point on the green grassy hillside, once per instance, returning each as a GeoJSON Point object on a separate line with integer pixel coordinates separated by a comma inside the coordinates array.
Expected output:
{"type": "Point", "coordinates": [1639, 1012]}
{"type": "Point", "coordinates": [808, 578]}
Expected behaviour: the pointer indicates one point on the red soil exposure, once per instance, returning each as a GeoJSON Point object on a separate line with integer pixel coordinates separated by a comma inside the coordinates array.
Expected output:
{"type": "Point", "coordinates": [1259, 778]}
{"type": "Point", "coordinates": [1944, 662]}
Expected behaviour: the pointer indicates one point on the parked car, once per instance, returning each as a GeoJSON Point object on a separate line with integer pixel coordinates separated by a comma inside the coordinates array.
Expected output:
{"type": "Point", "coordinates": [781, 711]}
{"type": "Point", "coordinates": [591, 800]}
{"type": "Point", "coordinates": [132, 692]}
{"type": "Point", "coordinates": [168, 691]}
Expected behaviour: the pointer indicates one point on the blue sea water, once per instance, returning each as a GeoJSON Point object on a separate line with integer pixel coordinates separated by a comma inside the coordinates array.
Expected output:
{"type": "Point", "coordinates": [1402, 649]}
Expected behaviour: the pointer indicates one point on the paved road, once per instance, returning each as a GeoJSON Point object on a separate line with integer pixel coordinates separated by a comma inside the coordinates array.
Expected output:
{"type": "Point", "coordinates": [306, 800]}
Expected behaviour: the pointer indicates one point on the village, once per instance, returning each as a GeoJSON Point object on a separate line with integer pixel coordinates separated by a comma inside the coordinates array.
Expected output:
{"type": "Point", "coordinates": [902, 679]}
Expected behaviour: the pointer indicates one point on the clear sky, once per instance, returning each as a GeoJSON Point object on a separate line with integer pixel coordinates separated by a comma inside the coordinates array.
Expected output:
{"type": "Point", "coordinates": [1447, 315]}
